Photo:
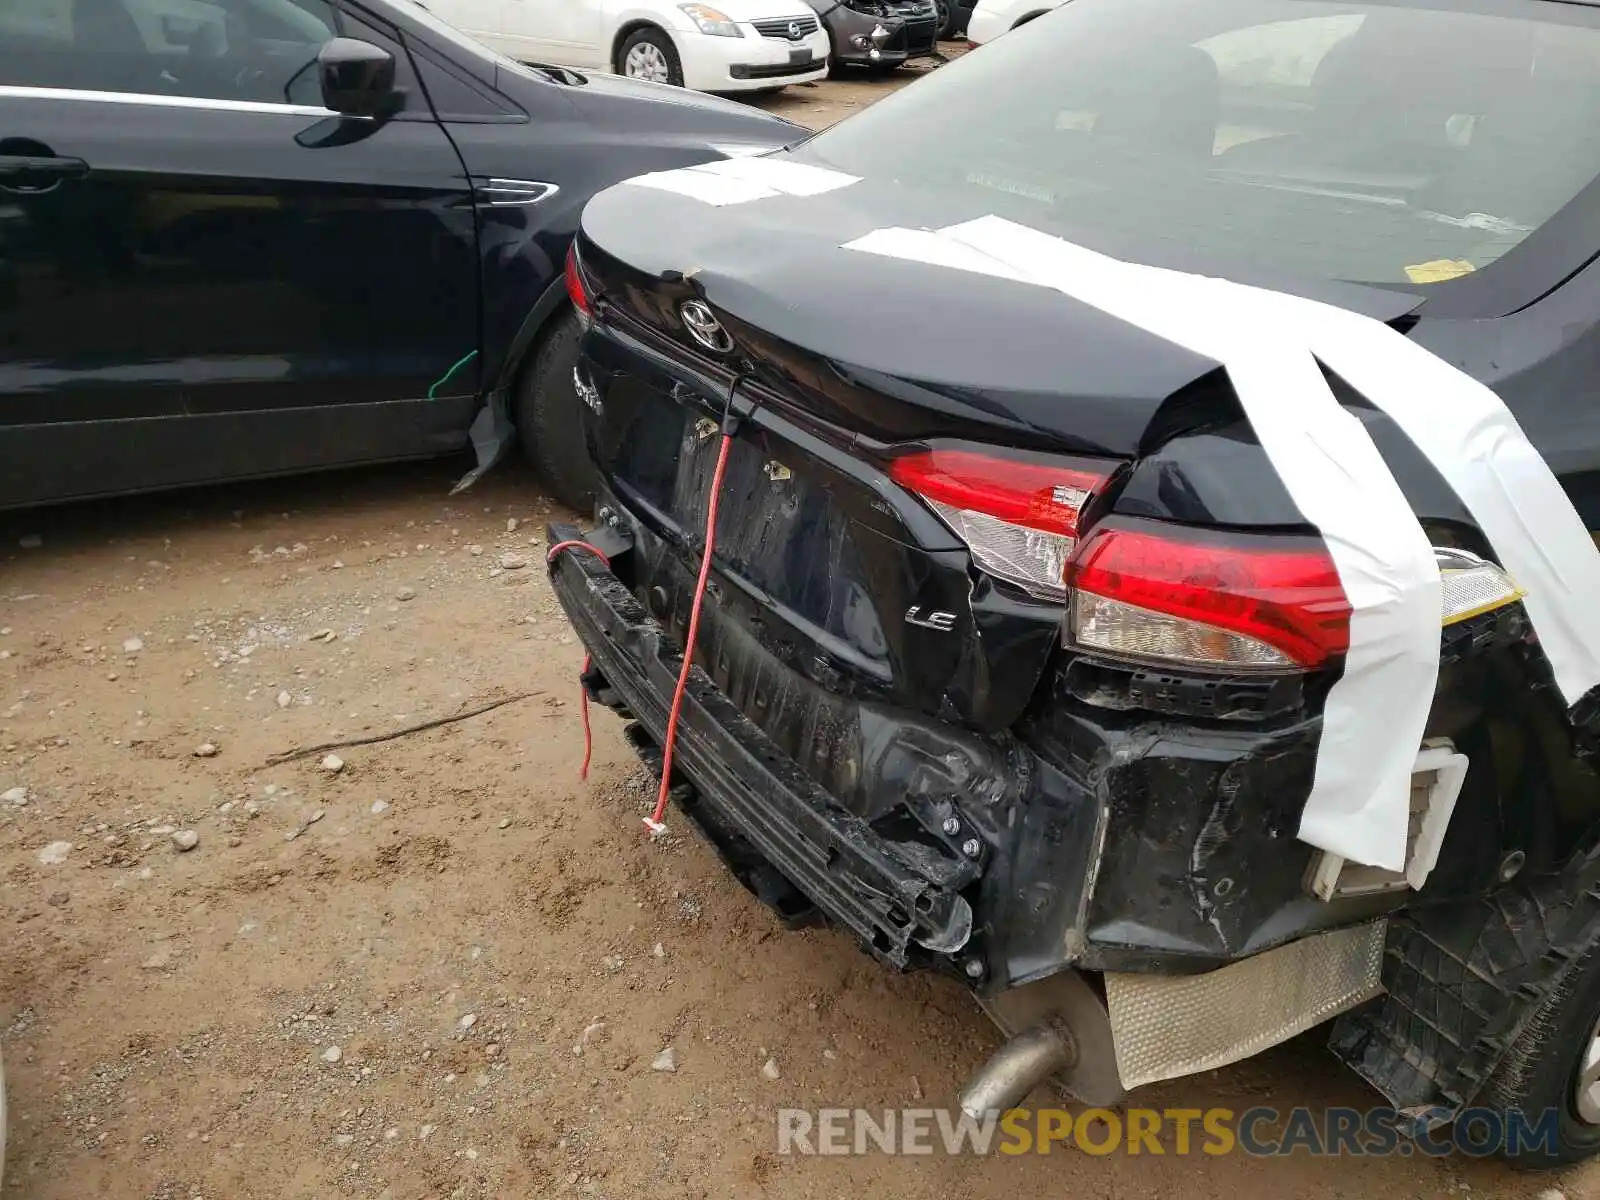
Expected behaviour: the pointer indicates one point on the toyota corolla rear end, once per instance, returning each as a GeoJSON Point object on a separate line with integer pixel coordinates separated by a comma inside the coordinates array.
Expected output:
{"type": "Point", "coordinates": [1013, 649]}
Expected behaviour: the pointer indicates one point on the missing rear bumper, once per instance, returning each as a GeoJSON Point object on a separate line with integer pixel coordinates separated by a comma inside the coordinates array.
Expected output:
{"type": "Point", "coordinates": [847, 870]}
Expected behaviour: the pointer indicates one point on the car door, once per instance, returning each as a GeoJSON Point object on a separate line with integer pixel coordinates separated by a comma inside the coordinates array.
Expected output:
{"type": "Point", "coordinates": [205, 272]}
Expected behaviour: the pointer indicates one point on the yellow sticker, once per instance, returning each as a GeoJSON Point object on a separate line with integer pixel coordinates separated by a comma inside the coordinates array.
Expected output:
{"type": "Point", "coordinates": [1439, 270]}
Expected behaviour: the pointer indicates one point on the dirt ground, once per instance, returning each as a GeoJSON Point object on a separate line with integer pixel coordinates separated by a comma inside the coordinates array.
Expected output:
{"type": "Point", "coordinates": [445, 968]}
{"type": "Point", "coordinates": [377, 981]}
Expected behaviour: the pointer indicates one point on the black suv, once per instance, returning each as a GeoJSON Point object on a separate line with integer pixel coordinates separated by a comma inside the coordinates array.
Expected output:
{"type": "Point", "coordinates": [245, 237]}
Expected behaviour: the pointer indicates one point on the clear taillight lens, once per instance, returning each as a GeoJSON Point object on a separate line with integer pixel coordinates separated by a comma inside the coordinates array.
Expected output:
{"type": "Point", "coordinates": [1128, 631]}
{"type": "Point", "coordinates": [1229, 601]}
{"type": "Point", "coordinates": [1472, 586]}
{"type": "Point", "coordinates": [1017, 512]}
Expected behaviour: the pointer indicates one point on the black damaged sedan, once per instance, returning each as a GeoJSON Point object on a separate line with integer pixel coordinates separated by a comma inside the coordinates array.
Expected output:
{"type": "Point", "coordinates": [1012, 649]}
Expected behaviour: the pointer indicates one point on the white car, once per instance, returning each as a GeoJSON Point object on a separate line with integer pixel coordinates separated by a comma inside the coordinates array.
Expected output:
{"type": "Point", "coordinates": [736, 46]}
{"type": "Point", "coordinates": [991, 18]}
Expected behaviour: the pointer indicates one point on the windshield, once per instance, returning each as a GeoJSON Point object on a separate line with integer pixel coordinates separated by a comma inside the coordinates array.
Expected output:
{"type": "Point", "coordinates": [1380, 143]}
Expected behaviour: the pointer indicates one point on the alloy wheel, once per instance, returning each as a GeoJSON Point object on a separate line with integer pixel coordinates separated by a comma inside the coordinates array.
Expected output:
{"type": "Point", "coordinates": [645, 61]}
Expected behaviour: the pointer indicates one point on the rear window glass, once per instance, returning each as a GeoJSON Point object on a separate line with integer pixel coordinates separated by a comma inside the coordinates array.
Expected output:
{"type": "Point", "coordinates": [1375, 142]}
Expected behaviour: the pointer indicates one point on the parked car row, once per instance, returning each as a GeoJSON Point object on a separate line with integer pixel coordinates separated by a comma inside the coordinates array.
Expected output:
{"type": "Point", "coordinates": [733, 46]}
{"type": "Point", "coordinates": [728, 47]}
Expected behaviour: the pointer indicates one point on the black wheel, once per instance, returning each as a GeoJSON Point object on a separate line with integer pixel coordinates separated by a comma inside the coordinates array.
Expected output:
{"type": "Point", "coordinates": [649, 54]}
{"type": "Point", "coordinates": [549, 416]}
{"type": "Point", "coordinates": [1553, 1068]}
{"type": "Point", "coordinates": [948, 18]}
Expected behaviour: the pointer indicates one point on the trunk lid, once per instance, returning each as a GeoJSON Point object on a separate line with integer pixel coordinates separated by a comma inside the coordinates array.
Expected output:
{"type": "Point", "coordinates": [826, 569]}
{"type": "Point", "coordinates": [898, 349]}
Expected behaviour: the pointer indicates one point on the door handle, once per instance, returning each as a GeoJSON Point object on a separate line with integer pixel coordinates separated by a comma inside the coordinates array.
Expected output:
{"type": "Point", "coordinates": [36, 173]}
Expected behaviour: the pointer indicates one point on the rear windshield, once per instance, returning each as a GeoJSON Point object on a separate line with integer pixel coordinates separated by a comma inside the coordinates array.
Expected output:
{"type": "Point", "coordinates": [1381, 143]}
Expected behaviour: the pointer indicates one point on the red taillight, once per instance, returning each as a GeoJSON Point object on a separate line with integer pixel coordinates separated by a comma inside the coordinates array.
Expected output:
{"type": "Point", "coordinates": [1039, 495]}
{"type": "Point", "coordinates": [577, 290]}
{"type": "Point", "coordinates": [1143, 589]}
{"type": "Point", "coordinates": [1016, 511]}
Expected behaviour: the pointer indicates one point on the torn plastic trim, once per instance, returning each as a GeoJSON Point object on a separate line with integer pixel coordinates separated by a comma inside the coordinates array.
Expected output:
{"type": "Point", "coordinates": [1463, 981]}
{"type": "Point", "coordinates": [492, 434]}
{"type": "Point", "coordinates": [1436, 786]}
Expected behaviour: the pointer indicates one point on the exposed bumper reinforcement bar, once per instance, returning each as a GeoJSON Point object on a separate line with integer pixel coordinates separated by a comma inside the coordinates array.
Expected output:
{"type": "Point", "coordinates": [846, 868]}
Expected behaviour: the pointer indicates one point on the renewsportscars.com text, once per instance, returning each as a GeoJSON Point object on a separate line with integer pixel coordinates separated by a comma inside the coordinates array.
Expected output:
{"type": "Point", "coordinates": [1259, 1132]}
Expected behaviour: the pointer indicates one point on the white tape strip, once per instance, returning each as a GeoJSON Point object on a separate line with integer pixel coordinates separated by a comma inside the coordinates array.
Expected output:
{"type": "Point", "coordinates": [792, 178]}
{"type": "Point", "coordinates": [1466, 431]}
{"type": "Point", "coordinates": [700, 185]}
{"type": "Point", "coordinates": [926, 246]}
{"type": "Point", "coordinates": [740, 180]}
{"type": "Point", "coordinates": [1377, 713]}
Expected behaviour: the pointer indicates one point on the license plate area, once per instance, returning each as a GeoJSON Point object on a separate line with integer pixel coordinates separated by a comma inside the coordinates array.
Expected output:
{"type": "Point", "coordinates": [776, 529]}
{"type": "Point", "coordinates": [780, 530]}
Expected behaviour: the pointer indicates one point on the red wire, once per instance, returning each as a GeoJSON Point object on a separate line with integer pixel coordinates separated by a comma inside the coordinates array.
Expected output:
{"type": "Point", "coordinates": [583, 695]}
{"type": "Point", "coordinates": [583, 715]}
{"type": "Point", "coordinates": [653, 822]}
{"type": "Point", "coordinates": [577, 544]}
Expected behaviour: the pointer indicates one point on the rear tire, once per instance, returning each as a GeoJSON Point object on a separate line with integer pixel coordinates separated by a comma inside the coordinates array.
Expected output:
{"type": "Point", "coordinates": [549, 416]}
{"type": "Point", "coordinates": [1540, 1072]}
{"type": "Point", "coordinates": [648, 53]}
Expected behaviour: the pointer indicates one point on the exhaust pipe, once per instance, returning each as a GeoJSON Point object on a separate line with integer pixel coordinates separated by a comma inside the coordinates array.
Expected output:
{"type": "Point", "coordinates": [1020, 1065]}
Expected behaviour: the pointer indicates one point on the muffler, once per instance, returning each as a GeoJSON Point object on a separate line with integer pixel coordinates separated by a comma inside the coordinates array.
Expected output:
{"type": "Point", "coordinates": [1057, 1030]}
{"type": "Point", "coordinates": [1021, 1064]}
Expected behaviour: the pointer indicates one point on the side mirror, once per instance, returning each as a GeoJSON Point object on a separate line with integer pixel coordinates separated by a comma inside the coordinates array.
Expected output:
{"type": "Point", "coordinates": [357, 78]}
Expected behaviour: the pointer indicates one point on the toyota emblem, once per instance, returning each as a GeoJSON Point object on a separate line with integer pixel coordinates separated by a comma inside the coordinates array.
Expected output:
{"type": "Point", "coordinates": [794, 30]}
{"type": "Point", "coordinates": [704, 327]}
